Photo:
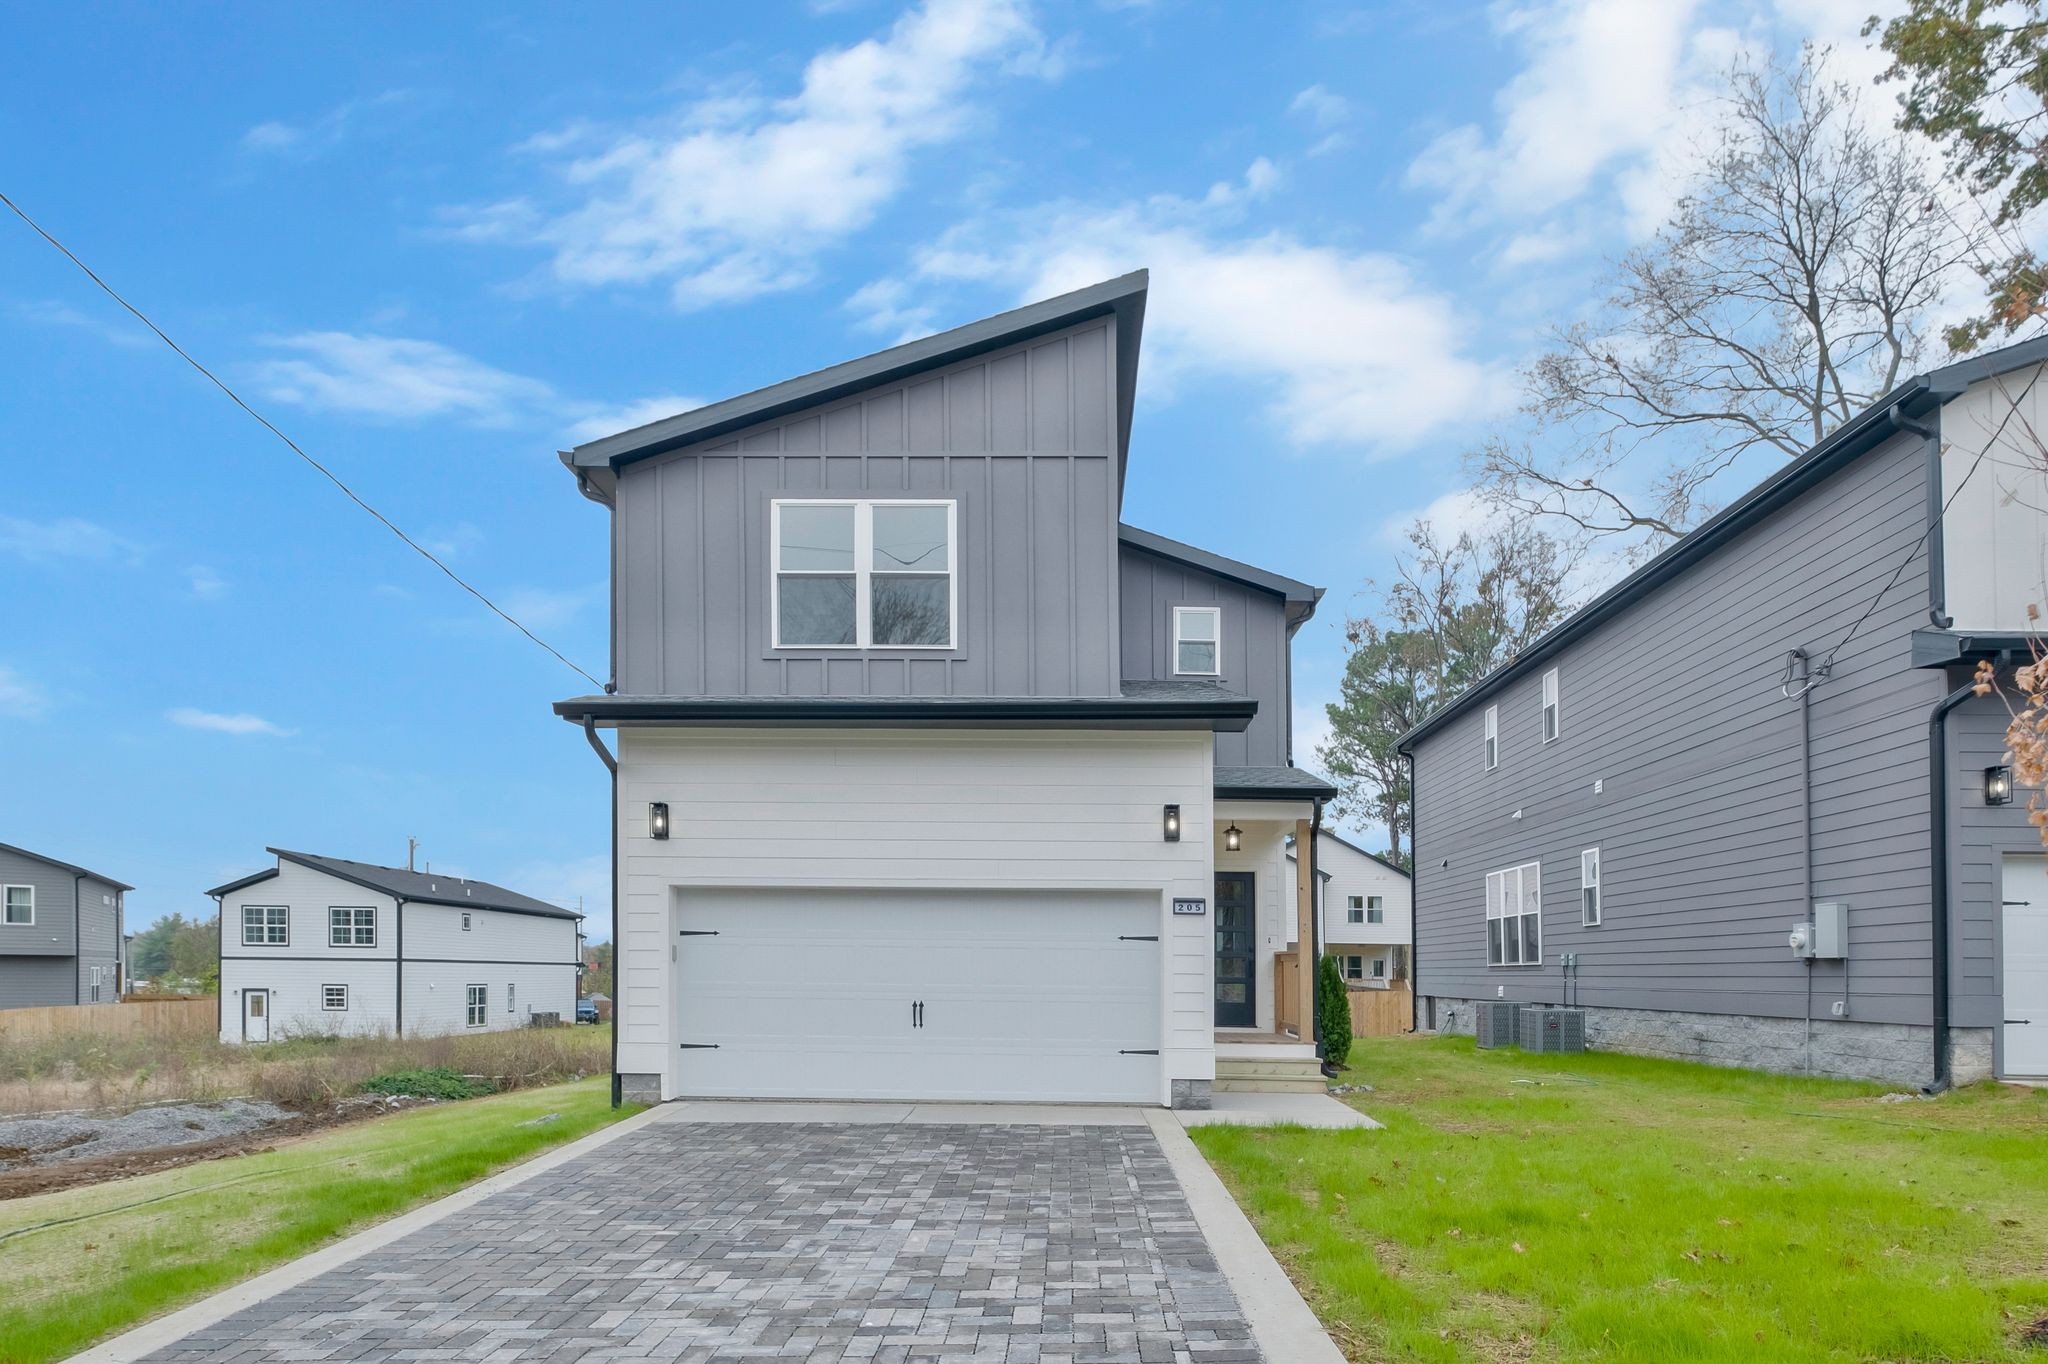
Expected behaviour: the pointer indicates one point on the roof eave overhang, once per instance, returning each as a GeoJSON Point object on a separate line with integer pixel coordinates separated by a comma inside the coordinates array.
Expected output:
{"type": "Point", "coordinates": [1123, 298]}
{"type": "Point", "coordinates": [249, 880]}
{"type": "Point", "coordinates": [1306, 791]}
{"type": "Point", "coordinates": [1945, 648]}
{"type": "Point", "coordinates": [1222, 716]}
{"type": "Point", "coordinates": [1300, 597]}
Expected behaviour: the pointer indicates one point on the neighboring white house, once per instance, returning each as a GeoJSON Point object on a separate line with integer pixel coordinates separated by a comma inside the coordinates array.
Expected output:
{"type": "Point", "coordinates": [324, 945]}
{"type": "Point", "coordinates": [1366, 911]}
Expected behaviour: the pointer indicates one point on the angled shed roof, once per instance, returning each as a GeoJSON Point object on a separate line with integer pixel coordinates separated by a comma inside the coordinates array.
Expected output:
{"type": "Point", "coordinates": [67, 866]}
{"type": "Point", "coordinates": [1123, 297]}
{"type": "Point", "coordinates": [1300, 597]}
{"type": "Point", "coordinates": [1883, 419]}
{"type": "Point", "coordinates": [419, 887]}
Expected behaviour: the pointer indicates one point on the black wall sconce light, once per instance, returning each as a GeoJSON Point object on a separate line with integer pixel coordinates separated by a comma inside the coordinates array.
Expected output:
{"type": "Point", "coordinates": [1998, 786]}
{"type": "Point", "coordinates": [1173, 824]}
{"type": "Point", "coordinates": [657, 820]}
{"type": "Point", "coordinates": [1233, 838]}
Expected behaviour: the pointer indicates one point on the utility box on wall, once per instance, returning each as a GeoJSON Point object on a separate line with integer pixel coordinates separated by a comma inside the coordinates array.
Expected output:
{"type": "Point", "coordinates": [1831, 929]}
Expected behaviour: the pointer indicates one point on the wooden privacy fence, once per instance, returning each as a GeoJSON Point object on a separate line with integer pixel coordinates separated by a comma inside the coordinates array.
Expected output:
{"type": "Point", "coordinates": [154, 1018]}
{"type": "Point", "coordinates": [1382, 1013]}
{"type": "Point", "coordinates": [1287, 992]}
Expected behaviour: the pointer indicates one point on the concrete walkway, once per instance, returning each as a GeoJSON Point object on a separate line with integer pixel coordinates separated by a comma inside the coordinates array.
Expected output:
{"type": "Point", "coordinates": [716, 1231]}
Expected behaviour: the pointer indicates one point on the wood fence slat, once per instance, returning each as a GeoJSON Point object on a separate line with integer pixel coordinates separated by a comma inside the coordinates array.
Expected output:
{"type": "Point", "coordinates": [157, 1018]}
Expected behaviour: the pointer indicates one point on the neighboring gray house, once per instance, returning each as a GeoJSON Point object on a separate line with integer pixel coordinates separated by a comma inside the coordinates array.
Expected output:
{"type": "Point", "coordinates": [934, 780]}
{"type": "Point", "coordinates": [1770, 725]}
{"type": "Point", "coordinates": [61, 932]}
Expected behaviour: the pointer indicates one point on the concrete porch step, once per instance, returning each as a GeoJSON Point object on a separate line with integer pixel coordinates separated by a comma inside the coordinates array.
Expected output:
{"type": "Point", "coordinates": [1251, 1070]}
{"type": "Point", "coordinates": [1289, 1050]}
{"type": "Point", "coordinates": [1270, 1084]}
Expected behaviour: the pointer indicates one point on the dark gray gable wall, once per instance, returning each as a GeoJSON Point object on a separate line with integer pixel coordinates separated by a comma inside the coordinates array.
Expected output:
{"type": "Point", "coordinates": [1024, 439]}
{"type": "Point", "coordinates": [1980, 836]}
{"type": "Point", "coordinates": [1674, 707]}
{"type": "Point", "coordinates": [1255, 654]}
{"type": "Point", "coordinates": [50, 961]}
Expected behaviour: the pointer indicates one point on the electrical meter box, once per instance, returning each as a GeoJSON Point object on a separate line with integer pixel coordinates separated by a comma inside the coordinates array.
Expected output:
{"type": "Point", "coordinates": [1831, 929]}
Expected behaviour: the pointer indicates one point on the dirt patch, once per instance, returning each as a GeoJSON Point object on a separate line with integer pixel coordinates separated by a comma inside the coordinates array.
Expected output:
{"type": "Point", "coordinates": [28, 1180]}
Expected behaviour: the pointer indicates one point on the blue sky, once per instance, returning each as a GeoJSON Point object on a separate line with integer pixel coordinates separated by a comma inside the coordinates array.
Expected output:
{"type": "Point", "coordinates": [436, 244]}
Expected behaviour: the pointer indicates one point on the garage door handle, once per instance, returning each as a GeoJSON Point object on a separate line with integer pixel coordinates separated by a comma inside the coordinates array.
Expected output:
{"type": "Point", "coordinates": [917, 1014]}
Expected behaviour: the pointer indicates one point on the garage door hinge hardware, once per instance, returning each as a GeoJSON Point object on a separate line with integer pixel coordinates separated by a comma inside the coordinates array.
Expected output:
{"type": "Point", "coordinates": [1137, 937]}
{"type": "Point", "coordinates": [1139, 1051]}
{"type": "Point", "coordinates": [698, 1046]}
{"type": "Point", "coordinates": [696, 933]}
{"type": "Point", "coordinates": [2020, 1020]}
{"type": "Point", "coordinates": [2016, 904]}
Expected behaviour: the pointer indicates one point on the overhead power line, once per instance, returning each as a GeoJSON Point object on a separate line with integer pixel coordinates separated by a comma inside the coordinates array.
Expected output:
{"type": "Point", "coordinates": [294, 446]}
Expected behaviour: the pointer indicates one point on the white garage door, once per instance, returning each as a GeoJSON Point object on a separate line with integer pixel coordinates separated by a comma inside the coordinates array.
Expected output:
{"type": "Point", "coordinates": [2024, 973]}
{"type": "Point", "coordinates": [866, 994]}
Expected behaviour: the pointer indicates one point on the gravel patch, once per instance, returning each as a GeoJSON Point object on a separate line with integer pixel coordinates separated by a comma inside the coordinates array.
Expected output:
{"type": "Point", "coordinates": [48, 1141]}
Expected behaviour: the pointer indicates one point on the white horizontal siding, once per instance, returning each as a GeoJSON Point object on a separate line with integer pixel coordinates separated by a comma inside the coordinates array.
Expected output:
{"type": "Point", "coordinates": [436, 932]}
{"type": "Point", "coordinates": [436, 995]}
{"type": "Point", "coordinates": [1995, 531]}
{"type": "Point", "coordinates": [294, 988]}
{"type": "Point", "coordinates": [1353, 873]}
{"type": "Point", "coordinates": [309, 894]}
{"type": "Point", "coordinates": [929, 809]}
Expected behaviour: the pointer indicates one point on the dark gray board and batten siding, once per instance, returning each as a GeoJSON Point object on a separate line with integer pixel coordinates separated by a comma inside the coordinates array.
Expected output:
{"type": "Point", "coordinates": [1674, 705]}
{"type": "Point", "coordinates": [1255, 652]}
{"type": "Point", "coordinates": [1024, 440]}
{"type": "Point", "coordinates": [1980, 837]}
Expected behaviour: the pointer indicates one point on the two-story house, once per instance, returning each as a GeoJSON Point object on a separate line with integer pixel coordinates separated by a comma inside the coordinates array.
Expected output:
{"type": "Point", "coordinates": [933, 780]}
{"type": "Point", "coordinates": [1365, 911]}
{"type": "Point", "coordinates": [61, 932]}
{"type": "Point", "coordinates": [325, 945]}
{"type": "Point", "coordinates": [1744, 807]}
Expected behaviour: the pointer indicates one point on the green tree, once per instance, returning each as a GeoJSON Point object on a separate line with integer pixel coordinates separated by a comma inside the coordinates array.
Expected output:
{"type": "Point", "coordinates": [195, 955]}
{"type": "Point", "coordinates": [597, 969]}
{"type": "Point", "coordinates": [149, 954]}
{"type": "Point", "coordinates": [1456, 610]}
{"type": "Point", "coordinates": [1333, 1010]}
{"type": "Point", "coordinates": [1976, 78]}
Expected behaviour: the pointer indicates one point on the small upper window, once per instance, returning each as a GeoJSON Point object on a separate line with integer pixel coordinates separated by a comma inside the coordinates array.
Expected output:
{"type": "Point", "coordinates": [1550, 729]}
{"type": "Point", "coordinates": [333, 997]}
{"type": "Point", "coordinates": [1492, 737]}
{"type": "Point", "coordinates": [266, 925]}
{"type": "Point", "coordinates": [1375, 909]}
{"type": "Point", "coordinates": [1589, 887]}
{"type": "Point", "coordinates": [863, 575]}
{"type": "Point", "coordinates": [21, 906]}
{"type": "Point", "coordinates": [465, 921]}
{"type": "Point", "coordinates": [352, 927]}
{"type": "Point", "coordinates": [1354, 909]}
{"type": "Point", "coordinates": [511, 999]}
{"type": "Point", "coordinates": [1198, 640]}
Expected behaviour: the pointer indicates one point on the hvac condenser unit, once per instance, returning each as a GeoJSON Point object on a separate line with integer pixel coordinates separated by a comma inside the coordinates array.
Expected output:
{"type": "Point", "coordinates": [1544, 1029]}
{"type": "Point", "coordinates": [1494, 1024]}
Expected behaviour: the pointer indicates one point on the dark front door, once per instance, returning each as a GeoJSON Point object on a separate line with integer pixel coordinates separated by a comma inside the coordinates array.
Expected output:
{"type": "Point", "coordinates": [1236, 992]}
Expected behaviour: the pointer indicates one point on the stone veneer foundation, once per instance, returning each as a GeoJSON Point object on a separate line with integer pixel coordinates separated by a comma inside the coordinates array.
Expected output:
{"type": "Point", "coordinates": [1191, 1094]}
{"type": "Point", "coordinates": [1848, 1049]}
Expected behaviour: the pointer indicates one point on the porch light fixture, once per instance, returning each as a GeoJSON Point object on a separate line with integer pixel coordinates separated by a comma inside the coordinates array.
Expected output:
{"type": "Point", "coordinates": [1998, 785]}
{"type": "Point", "coordinates": [1173, 824]}
{"type": "Point", "coordinates": [1233, 839]}
{"type": "Point", "coordinates": [657, 820]}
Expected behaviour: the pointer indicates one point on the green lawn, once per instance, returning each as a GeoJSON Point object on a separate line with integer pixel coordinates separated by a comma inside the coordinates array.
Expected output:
{"type": "Point", "coordinates": [89, 1262]}
{"type": "Point", "coordinates": [1608, 1207]}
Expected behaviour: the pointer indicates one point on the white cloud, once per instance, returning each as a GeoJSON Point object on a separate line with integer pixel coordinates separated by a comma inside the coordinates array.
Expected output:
{"type": "Point", "coordinates": [66, 537]}
{"type": "Point", "coordinates": [397, 378]}
{"type": "Point", "coordinates": [736, 195]}
{"type": "Point", "coordinates": [545, 608]}
{"type": "Point", "coordinates": [606, 421]}
{"type": "Point", "coordinates": [1454, 514]}
{"type": "Point", "coordinates": [1352, 348]}
{"type": "Point", "coordinates": [456, 540]}
{"type": "Point", "coordinates": [276, 138]}
{"type": "Point", "coordinates": [888, 306]}
{"type": "Point", "coordinates": [215, 722]}
{"type": "Point", "coordinates": [565, 882]}
{"type": "Point", "coordinates": [19, 697]}
{"type": "Point", "coordinates": [50, 313]}
{"type": "Point", "coordinates": [205, 583]}
{"type": "Point", "coordinates": [1322, 108]}
{"type": "Point", "coordinates": [1601, 84]}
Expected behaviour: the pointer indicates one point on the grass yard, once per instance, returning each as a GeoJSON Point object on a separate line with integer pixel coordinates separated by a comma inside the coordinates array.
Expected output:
{"type": "Point", "coordinates": [1607, 1207]}
{"type": "Point", "coordinates": [86, 1263]}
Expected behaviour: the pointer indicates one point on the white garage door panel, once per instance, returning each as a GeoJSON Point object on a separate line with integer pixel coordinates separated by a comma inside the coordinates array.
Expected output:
{"type": "Point", "coordinates": [2024, 952]}
{"type": "Point", "coordinates": [1026, 997]}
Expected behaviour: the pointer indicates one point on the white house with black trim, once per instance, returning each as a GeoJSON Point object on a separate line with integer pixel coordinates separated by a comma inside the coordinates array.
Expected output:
{"type": "Point", "coordinates": [325, 945]}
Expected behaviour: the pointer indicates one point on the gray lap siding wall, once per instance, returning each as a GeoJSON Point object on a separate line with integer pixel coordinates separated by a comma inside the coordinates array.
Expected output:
{"type": "Point", "coordinates": [1980, 838]}
{"type": "Point", "coordinates": [1674, 706]}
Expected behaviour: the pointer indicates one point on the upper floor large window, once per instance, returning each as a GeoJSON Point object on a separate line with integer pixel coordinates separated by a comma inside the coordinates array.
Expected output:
{"type": "Point", "coordinates": [21, 906]}
{"type": "Point", "coordinates": [1198, 640]}
{"type": "Point", "coordinates": [869, 574]}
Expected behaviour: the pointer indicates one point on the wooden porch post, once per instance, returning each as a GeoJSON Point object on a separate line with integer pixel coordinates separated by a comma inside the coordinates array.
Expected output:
{"type": "Point", "coordinates": [1304, 931]}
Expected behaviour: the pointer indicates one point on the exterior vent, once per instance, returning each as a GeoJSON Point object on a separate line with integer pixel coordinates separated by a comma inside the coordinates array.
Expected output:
{"type": "Point", "coordinates": [1546, 1029]}
{"type": "Point", "coordinates": [1494, 1024]}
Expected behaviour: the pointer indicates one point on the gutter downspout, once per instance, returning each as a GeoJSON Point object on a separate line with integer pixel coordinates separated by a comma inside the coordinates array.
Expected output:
{"type": "Point", "coordinates": [220, 965]}
{"type": "Point", "coordinates": [1805, 662]}
{"type": "Point", "coordinates": [1937, 833]}
{"type": "Point", "coordinates": [398, 966]}
{"type": "Point", "coordinates": [1414, 904]}
{"type": "Point", "coordinates": [611, 765]}
{"type": "Point", "coordinates": [1315, 933]}
{"type": "Point", "coordinates": [1937, 557]}
{"type": "Point", "coordinates": [77, 939]}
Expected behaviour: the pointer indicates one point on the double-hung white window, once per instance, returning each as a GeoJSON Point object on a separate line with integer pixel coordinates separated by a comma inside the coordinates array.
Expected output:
{"type": "Point", "coordinates": [351, 927]}
{"type": "Point", "coordinates": [334, 997]}
{"type": "Point", "coordinates": [1492, 737]}
{"type": "Point", "coordinates": [1589, 887]}
{"type": "Point", "coordinates": [479, 1000]}
{"type": "Point", "coordinates": [1550, 710]}
{"type": "Point", "coordinates": [266, 926]}
{"type": "Point", "coordinates": [1354, 909]}
{"type": "Point", "coordinates": [1354, 968]}
{"type": "Point", "coordinates": [20, 906]}
{"type": "Point", "coordinates": [96, 983]}
{"type": "Point", "coordinates": [1375, 909]}
{"type": "Point", "coordinates": [1514, 916]}
{"type": "Point", "coordinates": [1198, 641]}
{"type": "Point", "coordinates": [864, 574]}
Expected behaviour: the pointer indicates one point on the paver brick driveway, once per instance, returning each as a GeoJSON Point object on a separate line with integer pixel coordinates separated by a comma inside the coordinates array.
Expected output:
{"type": "Point", "coordinates": [717, 1242]}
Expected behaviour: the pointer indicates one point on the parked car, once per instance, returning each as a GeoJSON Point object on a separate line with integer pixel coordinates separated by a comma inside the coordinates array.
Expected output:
{"type": "Point", "coordinates": [586, 1010]}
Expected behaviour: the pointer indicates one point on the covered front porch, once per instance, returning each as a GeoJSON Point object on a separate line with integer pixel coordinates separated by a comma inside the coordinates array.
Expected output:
{"type": "Point", "coordinates": [1264, 912]}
